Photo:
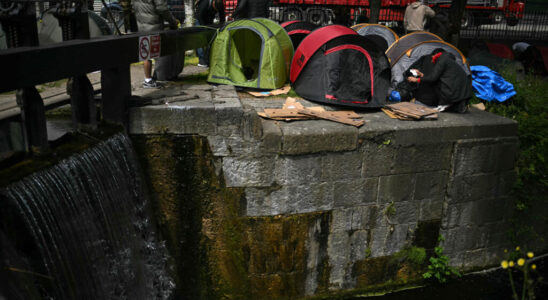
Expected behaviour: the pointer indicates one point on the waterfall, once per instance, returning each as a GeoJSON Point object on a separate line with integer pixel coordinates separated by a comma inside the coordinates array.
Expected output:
{"type": "Point", "coordinates": [83, 228]}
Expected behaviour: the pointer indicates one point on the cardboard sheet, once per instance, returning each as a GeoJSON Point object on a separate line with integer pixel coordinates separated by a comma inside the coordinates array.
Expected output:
{"type": "Point", "coordinates": [293, 110]}
{"type": "Point", "coordinates": [281, 91]}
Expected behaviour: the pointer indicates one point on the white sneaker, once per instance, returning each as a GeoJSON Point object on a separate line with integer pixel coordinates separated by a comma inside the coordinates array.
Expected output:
{"type": "Point", "coordinates": [203, 66]}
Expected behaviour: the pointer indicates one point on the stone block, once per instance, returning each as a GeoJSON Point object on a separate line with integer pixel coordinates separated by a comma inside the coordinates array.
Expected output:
{"type": "Point", "coordinates": [430, 209]}
{"type": "Point", "coordinates": [230, 117]}
{"type": "Point", "coordinates": [248, 172]}
{"type": "Point", "coordinates": [383, 157]}
{"type": "Point", "coordinates": [159, 119]}
{"type": "Point", "coordinates": [265, 202]}
{"type": "Point", "coordinates": [237, 146]}
{"type": "Point", "coordinates": [218, 145]}
{"type": "Point", "coordinates": [355, 218]}
{"type": "Point", "coordinates": [341, 166]}
{"type": "Point", "coordinates": [398, 237]}
{"type": "Point", "coordinates": [471, 188]}
{"type": "Point", "coordinates": [296, 170]}
{"type": "Point", "coordinates": [342, 219]}
{"type": "Point", "coordinates": [474, 258]}
{"type": "Point", "coordinates": [405, 212]}
{"type": "Point", "coordinates": [378, 159]}
{"type": "Point", "coordinates": [338, 252]}
{"type": "Point", "coordinates": [309, 198]}
{"type": "Point", "coordinates": [355, 192]}
{"type": "Point", "coordinates": [496, 234]}
{"type": "Point", "coordinates": [431, 185]}
{"type": "Point", "coordinates": [251, 126]}
{"type": "Point", "coordinates": [379, 236]}
{"type": "Point", "coordinates": [396, 188]}
{"type": "Point", "coordinates": [462, 239]}
{"type": "Point", "coordinates": [461, 214]}
{"type": "Point", "coordinates": [358, 245]}
{"type": "Point", "coordinates": [486, 211]}
{"type": "Point", "coordinates": [484, 155]}
{"type": "Point", "coordinates": [456, 260]}
{"type": "Point", "coordinates": [422, 158]}
{"type": "Point", "coordinates": [271, 141]}
{"type": "Point", "coordinates": [307, 137]}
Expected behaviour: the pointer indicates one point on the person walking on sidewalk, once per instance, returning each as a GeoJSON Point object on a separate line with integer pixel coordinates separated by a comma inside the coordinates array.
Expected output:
{"type": "Point", "coordinates": [150, 16]}
{"type": "Point", "coordinates": [415, 16]}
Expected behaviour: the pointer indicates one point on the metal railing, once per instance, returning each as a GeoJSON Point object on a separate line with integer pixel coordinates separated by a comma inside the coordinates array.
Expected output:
{"type": "Point", "coordinates": [29, 64]}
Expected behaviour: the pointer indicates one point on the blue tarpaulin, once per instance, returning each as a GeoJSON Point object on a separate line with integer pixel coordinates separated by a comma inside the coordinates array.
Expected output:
{"type": "Point", "coordinates": [489, 85]}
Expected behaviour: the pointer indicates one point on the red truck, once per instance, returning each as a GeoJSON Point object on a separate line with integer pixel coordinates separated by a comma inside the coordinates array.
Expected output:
{"type": "Point", "coordinates": [392, 11]}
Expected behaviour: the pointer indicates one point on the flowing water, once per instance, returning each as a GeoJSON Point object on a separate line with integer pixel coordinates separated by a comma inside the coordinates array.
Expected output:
{"type": "Point", "coordinates": [81, 230]}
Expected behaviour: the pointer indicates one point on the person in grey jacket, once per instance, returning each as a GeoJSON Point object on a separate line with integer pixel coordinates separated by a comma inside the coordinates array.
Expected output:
{"type": "Point", "coordinates": [415, 15]}
{"type": "Point", "coordinates": [150, 16]}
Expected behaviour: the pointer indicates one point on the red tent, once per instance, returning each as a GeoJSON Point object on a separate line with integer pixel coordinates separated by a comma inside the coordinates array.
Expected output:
{"type": "Point", "coordinates": [335, 65]}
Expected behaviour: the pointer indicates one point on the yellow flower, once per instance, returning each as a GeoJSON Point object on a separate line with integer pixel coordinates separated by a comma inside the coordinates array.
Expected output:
{"type": "Point", "coordinates": [505, 250]}
{"type": "Point", "coordinates": [504, 264]}
{"type": "Point", "coordinates": [521, 262]}
{"type": "Point", "coordinates": [511, 264]}
{"type": "Point", "coordinates": [530, 254]}
{"type": "Point", "coordinates": [533, 267]}
{"type": "Point", "coordinates": [517, 248]}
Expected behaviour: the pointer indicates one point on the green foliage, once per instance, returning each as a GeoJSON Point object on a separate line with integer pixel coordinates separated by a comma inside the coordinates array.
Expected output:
{"type": "Point", "coordinates": [416, 255]}
{"type": "Point", "coordinates": [529, 107]}
{"type": "Point", "coordinates": [368, 252]}
{"type": "Point", "coordinates": [439, 267]}
{"type": "Point", "coordinates": [390, 210]}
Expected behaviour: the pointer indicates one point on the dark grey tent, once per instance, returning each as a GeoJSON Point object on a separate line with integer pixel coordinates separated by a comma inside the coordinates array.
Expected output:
{"type": "Point", "coordinates": [407, 56]}
{"type": "Point", "coordinates": [387, 34]}
{"type": "Point", "coordinates": [406, 42]}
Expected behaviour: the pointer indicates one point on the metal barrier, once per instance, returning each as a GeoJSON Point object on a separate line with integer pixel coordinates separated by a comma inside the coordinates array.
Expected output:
{"type": "Point", "coordinates": [30, 64]}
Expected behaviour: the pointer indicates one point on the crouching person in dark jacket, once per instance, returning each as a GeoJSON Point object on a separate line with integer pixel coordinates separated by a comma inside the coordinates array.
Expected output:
{"type": "Point", "coordinates": [453, 87]}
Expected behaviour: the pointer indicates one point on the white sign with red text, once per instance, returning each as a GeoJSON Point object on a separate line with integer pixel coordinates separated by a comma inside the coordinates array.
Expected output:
{"type": "Point", "coordinates": [149, 47]}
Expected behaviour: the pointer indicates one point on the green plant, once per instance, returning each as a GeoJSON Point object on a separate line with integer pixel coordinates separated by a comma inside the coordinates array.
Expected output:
{"type": "Point", "coordinates": [390, 209]}
{"type": "Point", "coordinates": [439, 267]}
{"type": "Point", "coordinates": [414, 255]}
{"type": "Point", "coordinates": [528, 107]}
{"type": "Point", "coordinates": [368, 252]}
{"type": "Point", "coordinates": [525, 266]}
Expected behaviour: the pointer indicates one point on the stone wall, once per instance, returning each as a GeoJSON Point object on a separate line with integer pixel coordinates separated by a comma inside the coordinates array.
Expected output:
{"type": "Point", "coordinates": [322, 206]}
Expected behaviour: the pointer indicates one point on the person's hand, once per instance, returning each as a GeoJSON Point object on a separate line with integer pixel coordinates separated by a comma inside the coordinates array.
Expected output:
{"type": "Point", "coordinates": [419, 73]}
{"type": "Point", "coordinates": [412, 79]}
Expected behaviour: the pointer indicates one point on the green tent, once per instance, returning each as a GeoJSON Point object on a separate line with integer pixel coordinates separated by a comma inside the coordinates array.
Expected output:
{"type": "Point", "coordinates": [253, 53]}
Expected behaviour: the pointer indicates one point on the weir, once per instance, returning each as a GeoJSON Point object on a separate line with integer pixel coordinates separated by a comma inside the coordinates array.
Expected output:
{"type": "Point", "coordinates": [82, 230]}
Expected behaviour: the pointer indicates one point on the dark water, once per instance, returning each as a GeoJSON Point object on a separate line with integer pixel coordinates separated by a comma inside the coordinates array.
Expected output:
{"type": "Point", "coordinates": [81, 230]}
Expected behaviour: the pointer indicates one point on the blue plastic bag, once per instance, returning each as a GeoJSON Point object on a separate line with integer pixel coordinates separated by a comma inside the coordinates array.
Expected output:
{"type": "Point", "coordinates": [489, 85]}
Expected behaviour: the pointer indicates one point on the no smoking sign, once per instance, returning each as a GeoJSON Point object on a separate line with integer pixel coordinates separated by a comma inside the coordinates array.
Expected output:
{"type": "Point", "coordinates": [149, 47]}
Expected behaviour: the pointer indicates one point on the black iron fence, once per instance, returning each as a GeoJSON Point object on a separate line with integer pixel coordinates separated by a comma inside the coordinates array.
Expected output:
{"type": "Point", "coordinates": [476, 23]}
{"type": "Point", "coordinates": [531, 26]}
